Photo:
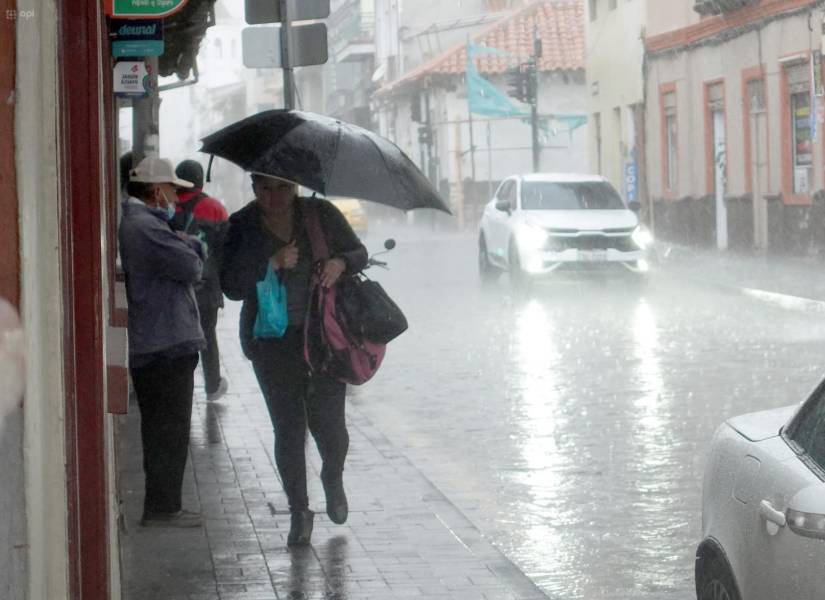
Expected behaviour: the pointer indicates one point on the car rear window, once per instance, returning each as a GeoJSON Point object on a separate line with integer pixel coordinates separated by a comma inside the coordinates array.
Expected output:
{"type": "Point", "coordinates": [544, 195]}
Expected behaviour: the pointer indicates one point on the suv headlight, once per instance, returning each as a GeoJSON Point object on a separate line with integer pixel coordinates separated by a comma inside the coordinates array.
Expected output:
{"type": "Point", "coordinates": [531, 236]}
{"type": "Point", "coordinates": [642, 237]}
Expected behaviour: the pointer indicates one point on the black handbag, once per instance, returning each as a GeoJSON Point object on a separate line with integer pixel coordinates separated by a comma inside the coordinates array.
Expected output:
{"type": "Point", "coordinates": [370, 313]}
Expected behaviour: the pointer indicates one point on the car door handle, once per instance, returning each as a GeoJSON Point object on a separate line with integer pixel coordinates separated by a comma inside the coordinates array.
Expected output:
{"type": "Point", "coordinates": [770, 514]}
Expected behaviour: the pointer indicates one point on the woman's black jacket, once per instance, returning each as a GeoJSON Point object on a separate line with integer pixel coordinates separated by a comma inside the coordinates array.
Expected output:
{"type": "Point", "coordinates": [249, 245]}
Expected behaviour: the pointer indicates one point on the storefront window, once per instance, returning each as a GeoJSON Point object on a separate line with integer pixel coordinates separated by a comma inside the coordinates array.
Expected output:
{"type": "Point", "coordinates": [801, 144]}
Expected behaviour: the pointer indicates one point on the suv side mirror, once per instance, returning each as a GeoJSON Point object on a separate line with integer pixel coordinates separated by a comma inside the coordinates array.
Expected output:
{"type": "Point", "coordinates": [504, 206]}
{"type": "Point", "coordinates": [635, 206]}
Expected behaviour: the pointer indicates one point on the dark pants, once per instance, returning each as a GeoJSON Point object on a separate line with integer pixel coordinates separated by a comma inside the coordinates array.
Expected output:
{"type": "Point", "coordinates": [295, 400]}
{"type": "Point", "coordinates": [164, 394]}
{"type": "Point", "coordinates": [210, 356]}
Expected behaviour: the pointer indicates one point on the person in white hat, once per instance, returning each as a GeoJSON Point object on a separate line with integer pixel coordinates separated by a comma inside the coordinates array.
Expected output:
{"type": "Point", "coordinates": [165, 335]}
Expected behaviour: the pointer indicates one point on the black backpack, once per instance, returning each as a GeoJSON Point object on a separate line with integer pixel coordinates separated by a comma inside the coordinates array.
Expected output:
{"type": "Point", "coordinates": [212, 234]}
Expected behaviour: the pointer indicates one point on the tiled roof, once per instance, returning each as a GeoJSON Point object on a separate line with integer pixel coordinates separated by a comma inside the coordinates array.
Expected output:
{"type": "Point", "coordinates": [560, 26]}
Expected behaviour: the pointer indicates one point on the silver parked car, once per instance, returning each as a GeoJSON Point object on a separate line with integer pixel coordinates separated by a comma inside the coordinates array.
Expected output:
{"type": "Point", "coordinates": [763, 507]}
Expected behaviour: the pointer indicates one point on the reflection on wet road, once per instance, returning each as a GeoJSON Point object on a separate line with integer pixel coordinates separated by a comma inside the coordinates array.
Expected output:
{"type": "Point", "coordinates": [570, 422]}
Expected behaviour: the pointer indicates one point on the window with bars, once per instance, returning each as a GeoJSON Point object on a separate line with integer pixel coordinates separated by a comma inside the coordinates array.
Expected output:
{"type": "Point", "coordinates": [756, 96]}
{"type": "Point", "coordinates": [671, 150]}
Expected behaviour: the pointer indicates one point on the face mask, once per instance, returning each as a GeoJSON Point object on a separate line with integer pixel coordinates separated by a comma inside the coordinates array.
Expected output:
{"type": "Point", "coordinates": [170, 206]}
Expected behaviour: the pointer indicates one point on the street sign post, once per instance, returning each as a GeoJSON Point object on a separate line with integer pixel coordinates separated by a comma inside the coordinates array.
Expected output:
{"type": "Point", "coordinates": [262, 46]}
{"type": "Point", "coordinates": [261, 12]}
{"type": "Point", "coordinates": [287, 46]}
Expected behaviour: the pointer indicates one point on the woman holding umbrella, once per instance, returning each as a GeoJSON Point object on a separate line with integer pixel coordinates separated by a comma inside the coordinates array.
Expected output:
{"type": "Point", "coordinates": [270, 231]}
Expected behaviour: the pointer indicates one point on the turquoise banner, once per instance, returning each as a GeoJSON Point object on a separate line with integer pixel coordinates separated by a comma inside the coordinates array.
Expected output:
{"type": "Point", "coordinates": [483, 97]}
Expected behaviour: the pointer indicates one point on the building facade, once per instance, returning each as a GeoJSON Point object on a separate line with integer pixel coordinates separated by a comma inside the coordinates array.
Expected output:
{"type": "Point", "coordinates": [427, 113]}
{"type": "Point", "coordinates": [58, 268]}
{"type": "Point", "coordinates": [616, 92]}
{"type": "Point", "coordinates": [735, 123]}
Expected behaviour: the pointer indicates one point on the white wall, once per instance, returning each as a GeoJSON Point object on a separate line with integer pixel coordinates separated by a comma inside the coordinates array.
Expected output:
{"type": "Point", "coordinates": [511, 139]}
{"type": "Point", "coordinates": [42, 313]}
{"type": "Point", "coordinates": [690, 71]}
{"type": "Point", "coordinates": [663, 17]}
{"type": "Point", "coordinates": [417, 15]}
{"type": "Point", "coordinates": [614, 80]}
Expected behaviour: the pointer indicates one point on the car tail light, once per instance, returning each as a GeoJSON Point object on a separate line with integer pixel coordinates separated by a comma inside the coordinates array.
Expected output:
{"type": "Point", "coordinates": [810, 525]}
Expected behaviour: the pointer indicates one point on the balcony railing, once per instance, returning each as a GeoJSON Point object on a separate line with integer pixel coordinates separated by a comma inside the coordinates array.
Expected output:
{"type": "Point", "coordinates": [352, 32]}
{"type": "Point", "coordinates": [717, 7]}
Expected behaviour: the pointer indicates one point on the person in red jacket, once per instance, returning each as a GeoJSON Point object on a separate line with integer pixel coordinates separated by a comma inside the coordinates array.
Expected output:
{"type": "Point", "coordinates": [199, 214]}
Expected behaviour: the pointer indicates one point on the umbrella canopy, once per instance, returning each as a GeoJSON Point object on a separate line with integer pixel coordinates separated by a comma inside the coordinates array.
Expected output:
{"type": "Point", "coordinates": [326, 155]}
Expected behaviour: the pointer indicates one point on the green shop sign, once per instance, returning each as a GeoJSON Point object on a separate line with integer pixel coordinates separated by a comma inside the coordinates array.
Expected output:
{"type": "Point", "coordinates": [145, 8]}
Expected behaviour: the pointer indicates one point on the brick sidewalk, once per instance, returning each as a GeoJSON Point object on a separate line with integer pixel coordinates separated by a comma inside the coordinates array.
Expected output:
{"type": "Point", "coordinates": [404, 539]}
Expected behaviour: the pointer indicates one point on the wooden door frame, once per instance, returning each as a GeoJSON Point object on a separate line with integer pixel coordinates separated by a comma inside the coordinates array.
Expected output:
{"type": "Point", "coordinates": [81, 176]}
{"type": "Point", "coordinates": [10, 240]}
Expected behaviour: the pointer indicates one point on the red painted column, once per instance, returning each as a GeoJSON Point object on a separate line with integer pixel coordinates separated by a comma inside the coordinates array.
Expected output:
{"type": "Point", "coordinates": [10, 240]}
{"type": "Point", "coordinates": [81, 202]}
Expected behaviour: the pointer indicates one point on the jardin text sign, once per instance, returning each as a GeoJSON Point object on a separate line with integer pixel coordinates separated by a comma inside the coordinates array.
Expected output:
{"type": "Point", "coordinates": [144, 8]}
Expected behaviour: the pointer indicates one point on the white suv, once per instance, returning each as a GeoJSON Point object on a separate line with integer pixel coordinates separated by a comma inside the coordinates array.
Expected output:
{"type": "Point", "coordinates": [538, 223]}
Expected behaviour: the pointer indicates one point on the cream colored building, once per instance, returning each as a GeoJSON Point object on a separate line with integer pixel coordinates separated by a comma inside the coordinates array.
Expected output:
{"type": "Point", "coordinates": [615, 87]}
{"type": "Point", "coordinates": [735, 124]}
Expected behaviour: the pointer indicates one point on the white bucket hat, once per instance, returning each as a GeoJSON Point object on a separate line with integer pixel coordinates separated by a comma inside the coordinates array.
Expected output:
{"type": "Point", "coordinates": [157, 170]}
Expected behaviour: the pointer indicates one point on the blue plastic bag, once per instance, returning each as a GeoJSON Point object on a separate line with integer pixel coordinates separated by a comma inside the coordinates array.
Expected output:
{"type": "Point", "coordinates": [272, 318]}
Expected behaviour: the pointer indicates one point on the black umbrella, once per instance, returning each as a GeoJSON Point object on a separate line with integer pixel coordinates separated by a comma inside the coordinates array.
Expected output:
{"type": "Point", "coordinates": [326, 155]}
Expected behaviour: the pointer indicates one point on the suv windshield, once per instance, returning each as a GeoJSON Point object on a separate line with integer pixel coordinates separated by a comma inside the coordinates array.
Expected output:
{"type": "Point", "coordinates": [545, 195]}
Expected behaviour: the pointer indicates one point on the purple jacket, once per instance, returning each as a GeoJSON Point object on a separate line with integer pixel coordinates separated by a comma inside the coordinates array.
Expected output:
{"type": "Point", "coordinates": [160, 270]}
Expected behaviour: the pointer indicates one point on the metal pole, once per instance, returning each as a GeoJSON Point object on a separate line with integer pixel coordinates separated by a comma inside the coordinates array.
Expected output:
{"type": "Point", "coordinates": [145, 118]}
{"type": "Point", "coordinates": [470, 118]}
{"type": "Point", "coordinates": [286, 27]}
{"type": "Point", "coordinates": [534, 113]}
{"type": "Point", "coordinates": [472, 145]}
{"type": "Point", "coordinates": [428, 122]}
{"type": "Point", "coordinates": [489, 161]}
{"type": "Point", "coordinates": [534, 120]}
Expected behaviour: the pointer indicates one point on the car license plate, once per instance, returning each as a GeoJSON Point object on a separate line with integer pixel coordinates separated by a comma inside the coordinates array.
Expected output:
{"type": "Point", "coordinates": [592, 255]}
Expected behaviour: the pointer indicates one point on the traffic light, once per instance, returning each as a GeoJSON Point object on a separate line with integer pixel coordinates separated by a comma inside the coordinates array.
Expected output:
{"type": "Point", "coordinates": [531, 82]}
{"type": "Point", "coordinates": [425, 135]}
{"type": "Point", "coordinates": [522, 82]}
{"type": "Point", "coordinates": [517, 83]}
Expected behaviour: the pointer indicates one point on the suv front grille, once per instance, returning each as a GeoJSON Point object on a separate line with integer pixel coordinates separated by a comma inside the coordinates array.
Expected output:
{"type": "Point", "coordinates": [591, 242]}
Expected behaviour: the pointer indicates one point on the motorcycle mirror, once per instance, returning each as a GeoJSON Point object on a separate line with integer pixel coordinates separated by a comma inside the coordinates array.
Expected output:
{"type": "Point", "coordinates": [389, 244]}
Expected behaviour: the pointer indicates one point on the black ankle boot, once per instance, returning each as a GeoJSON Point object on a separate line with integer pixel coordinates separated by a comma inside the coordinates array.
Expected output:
{"type": "Point", "coordinates": [337, 507]}
{"type": "Point", "coordinates": [300, 528]}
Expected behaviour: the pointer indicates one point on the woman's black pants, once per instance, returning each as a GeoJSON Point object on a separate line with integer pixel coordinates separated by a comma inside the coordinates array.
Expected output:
{"type": "Point", "coordinates": [164, 394]}
{"type": "Point", "coordinates": [296, 400]}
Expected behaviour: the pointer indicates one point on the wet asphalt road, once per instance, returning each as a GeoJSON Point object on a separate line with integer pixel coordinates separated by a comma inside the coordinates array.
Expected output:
{"type": "Point", "coordinates": [570, 423]}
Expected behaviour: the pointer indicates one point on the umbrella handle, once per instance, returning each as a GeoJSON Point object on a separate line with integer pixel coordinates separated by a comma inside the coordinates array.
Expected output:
{"type": "Point", "coordinates": [209, 169]}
